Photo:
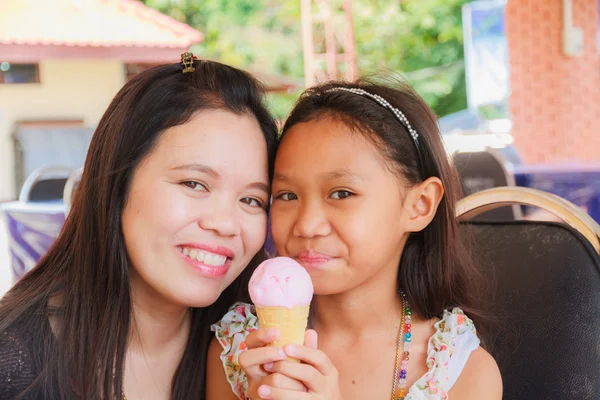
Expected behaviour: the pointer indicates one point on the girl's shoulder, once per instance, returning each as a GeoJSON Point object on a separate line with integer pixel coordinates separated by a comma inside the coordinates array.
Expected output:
{"type": "Point", "coordinates": [231, 332]}
{"type": "Point", "coordinates": [240, 319]}
{"type": "Point", "coordinates": [448, 351]}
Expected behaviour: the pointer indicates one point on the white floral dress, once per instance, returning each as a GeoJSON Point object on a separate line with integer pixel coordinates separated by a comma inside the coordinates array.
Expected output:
{"type": "Point", "coordinates": [447, 352]}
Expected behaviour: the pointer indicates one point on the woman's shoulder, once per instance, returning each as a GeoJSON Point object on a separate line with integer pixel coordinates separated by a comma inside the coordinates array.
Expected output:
{"type": "Point", "coordinates": [18, 368]}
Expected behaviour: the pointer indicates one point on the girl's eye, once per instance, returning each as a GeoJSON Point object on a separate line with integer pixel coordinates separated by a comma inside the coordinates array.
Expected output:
{"type": "Point", "coordinates": [196, 186]}
{"type": "Point", "coordinates": [252, 202]}
{"type": "Point", "coordinates": [286, 197]}
{"type": "Point", "coordinates": [341, 194]}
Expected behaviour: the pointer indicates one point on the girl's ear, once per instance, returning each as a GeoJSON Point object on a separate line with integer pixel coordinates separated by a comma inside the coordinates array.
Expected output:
{"type": "Point", "coordinates": [424, 200]}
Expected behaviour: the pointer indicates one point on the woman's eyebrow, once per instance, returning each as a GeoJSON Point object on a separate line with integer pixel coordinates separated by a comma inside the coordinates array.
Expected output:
{"type": "Point", "coordinates": [198, 167]}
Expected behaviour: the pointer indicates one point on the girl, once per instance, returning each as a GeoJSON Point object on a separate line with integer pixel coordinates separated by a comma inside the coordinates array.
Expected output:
{"type": "Point", "coordinates": [171, 208]}
{"type": "Point", "coordinates": [363, 198]}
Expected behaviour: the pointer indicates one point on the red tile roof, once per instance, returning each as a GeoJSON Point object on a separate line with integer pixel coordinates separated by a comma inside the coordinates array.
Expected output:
{"type": "Point", "coordinates": [91, 23]}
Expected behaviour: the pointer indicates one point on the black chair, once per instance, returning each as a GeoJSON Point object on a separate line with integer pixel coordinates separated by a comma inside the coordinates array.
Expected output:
{"type": "Point", "coordinates": [482, 170]}
{"type": "Point", "coordinates": [544, 295]}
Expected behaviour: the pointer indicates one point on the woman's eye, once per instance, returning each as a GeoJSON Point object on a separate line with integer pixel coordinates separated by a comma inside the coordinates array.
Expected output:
{"type": "Point", "coordinates": [286, 197]}
{"type": "Point", "coordinates": [252, 202]}
{"type": "Point", "coordinates": [197, 186]}
{"type": "Point", "coordinates": [341, 194]}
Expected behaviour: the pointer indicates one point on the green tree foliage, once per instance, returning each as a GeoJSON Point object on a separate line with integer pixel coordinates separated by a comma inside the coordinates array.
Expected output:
{"type": "Point", "coordinates": [419, 39]}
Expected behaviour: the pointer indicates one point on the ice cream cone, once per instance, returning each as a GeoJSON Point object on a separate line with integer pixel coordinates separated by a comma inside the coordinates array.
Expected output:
{"type": "Point", "coordinates": [291, 323]}
{"type": "Point", "coordinates": [281, 290]}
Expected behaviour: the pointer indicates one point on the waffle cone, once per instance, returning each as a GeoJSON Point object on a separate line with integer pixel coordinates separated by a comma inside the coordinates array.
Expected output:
{"type": "Point", "coordinates": [291, 324]}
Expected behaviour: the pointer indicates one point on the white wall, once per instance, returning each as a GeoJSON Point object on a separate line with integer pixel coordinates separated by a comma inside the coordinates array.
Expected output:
{"type": "Point", "coordinates": [5, 268]}
{"type": "Point", "coordinates": [68, 90]}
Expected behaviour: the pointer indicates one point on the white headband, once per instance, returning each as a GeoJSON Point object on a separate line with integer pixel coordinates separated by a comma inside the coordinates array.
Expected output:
{"type": "Point", "coordinates": [384, 103]}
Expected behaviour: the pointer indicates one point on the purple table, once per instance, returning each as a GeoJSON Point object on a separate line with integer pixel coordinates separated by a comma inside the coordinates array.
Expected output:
{"type": "Point", "coordinates": [578, 183]}
{"type": "Point", "coordinates": [32, 228]}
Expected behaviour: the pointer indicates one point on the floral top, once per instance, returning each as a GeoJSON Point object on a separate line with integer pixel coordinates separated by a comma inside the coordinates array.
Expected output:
{"type": "Point", "coordinates": [447, 352]}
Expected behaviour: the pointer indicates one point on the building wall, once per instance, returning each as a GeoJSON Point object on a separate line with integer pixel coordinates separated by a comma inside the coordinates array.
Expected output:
{"type": "Point", "coordinates": [555, 99]}
{"type": "Point", "coordinates": [68, 90]}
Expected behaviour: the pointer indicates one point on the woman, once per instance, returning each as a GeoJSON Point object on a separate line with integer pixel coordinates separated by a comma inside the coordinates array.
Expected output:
{"type": "Point", "coordinates": [171, 209]}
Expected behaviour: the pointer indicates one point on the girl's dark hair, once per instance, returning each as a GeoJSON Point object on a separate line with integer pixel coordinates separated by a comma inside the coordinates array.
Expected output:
{"type": "Point", "coordinates": [436, 270]}
{"type": "Point", "coordinates": [87, 266]}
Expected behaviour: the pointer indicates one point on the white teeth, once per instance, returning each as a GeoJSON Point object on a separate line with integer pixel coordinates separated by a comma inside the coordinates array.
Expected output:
{"type": "Point", "coordinates": [215, 259]}
{"type": "Point", "coordinates": [205, 257]}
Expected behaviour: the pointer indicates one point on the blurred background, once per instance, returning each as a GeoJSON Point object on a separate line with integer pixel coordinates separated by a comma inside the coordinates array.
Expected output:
{"type": "Point", "coordinates": [516, 84]}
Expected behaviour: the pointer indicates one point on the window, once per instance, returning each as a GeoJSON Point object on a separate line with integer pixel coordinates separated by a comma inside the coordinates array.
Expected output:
{"type": "Point", "coordinates": [18, 73]}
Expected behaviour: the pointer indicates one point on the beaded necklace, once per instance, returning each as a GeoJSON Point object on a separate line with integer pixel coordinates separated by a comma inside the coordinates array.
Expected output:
{"type": "Point", "coordinates": [402, 351]}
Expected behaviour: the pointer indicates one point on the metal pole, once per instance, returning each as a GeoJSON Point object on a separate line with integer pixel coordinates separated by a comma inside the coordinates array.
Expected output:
{"type": "Point", "coordinates": [307, 42]}
{"type": "Point", "coordinates": [350, 44]}
{"type": "Point", "coordinates": [330, 45]}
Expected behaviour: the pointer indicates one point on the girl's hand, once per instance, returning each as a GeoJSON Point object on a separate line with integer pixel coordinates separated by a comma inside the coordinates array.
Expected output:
{"type": "Point", "coordinates": [316, 372]}
{"type": "Point", "coordinates": [258, 354]}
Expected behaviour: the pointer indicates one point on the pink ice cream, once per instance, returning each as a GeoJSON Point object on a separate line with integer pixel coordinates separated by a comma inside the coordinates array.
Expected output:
{"type": "Point", "coordinates": [280, 282]}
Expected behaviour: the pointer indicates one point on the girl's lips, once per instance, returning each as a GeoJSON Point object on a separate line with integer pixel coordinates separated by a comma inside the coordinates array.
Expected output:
{"type": "Point", "coordinates": [313, 259]}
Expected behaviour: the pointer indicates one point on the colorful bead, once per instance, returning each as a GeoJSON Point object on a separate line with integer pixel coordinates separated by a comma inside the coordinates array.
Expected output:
{"type": "Point", "coordinates": [404, 339]}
